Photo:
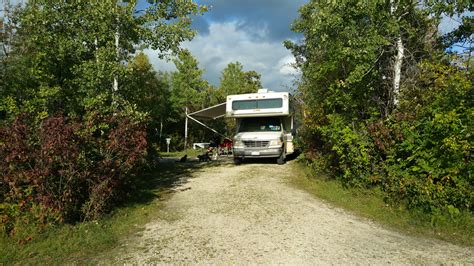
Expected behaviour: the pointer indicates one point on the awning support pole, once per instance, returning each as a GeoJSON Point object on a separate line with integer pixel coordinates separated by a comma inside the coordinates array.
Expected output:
{"type": "Point", "coordinates": [186, 129]}
{"type": "Point", "coordinates": [204, 125]}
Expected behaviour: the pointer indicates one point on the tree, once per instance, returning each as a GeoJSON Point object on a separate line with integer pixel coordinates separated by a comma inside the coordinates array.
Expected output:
{"type": "Point", "coordinates": [461, 38]}
{"type": "Point", "coordinates": [348, 50]}
{"type": "Point", "coordinates": [86, 139]}
{"type": "Point", "coordinates": [188, 84]}
{"type": "Point", "coordinates": [146, 88]}
{"type": "Point", "coordinates": [64, 54]}
{"type": "Point", "coordinates": [383, 104]}
{"type": "Point", "coordinates": [148, 91]}
{"type": "Point", "coordinates": [188, 93]}
{"type": "Point", "coordinates": [234, 80]}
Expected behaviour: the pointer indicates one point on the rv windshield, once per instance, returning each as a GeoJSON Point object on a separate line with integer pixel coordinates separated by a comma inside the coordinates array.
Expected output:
{"type": "Point", "coordinates": [256, 124]}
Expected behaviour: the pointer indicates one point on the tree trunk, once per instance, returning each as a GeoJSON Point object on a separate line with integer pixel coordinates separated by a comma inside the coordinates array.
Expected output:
{"type": "Point", "coordinates": [397, 70]}
{"type": "Point", "coordinates": [117, 50]}
{"type": "Point", "coordinates": [397, 66]}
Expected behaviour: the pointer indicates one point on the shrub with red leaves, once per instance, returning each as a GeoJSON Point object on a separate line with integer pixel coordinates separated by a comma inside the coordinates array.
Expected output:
{"type": "Point", "coordinates": [62, 171]}
{"type": "Point", "coordinates": [122, 150]}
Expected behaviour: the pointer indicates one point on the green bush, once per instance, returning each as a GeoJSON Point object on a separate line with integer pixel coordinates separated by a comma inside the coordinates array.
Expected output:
{"type": "Point", "coordinates": [349, 150]}
{"type": "Point", "coordinates": [420, 155]}
{"type": "Point", "coordinates": [430, 167]}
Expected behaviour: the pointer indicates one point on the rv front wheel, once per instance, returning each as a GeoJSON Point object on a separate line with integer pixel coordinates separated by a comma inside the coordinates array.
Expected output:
{"type": "Point", "coordinates": [237, 160]}
{"type": "Point", "coordinates": [281, 159]}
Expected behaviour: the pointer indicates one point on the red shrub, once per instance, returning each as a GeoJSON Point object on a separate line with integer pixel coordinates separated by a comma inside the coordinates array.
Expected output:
{"type": "Point", "coordinates": [66, 170]}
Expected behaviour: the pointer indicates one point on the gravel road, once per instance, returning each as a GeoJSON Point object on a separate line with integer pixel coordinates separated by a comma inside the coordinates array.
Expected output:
{"type": "Point", "coordinates": [248, 214]}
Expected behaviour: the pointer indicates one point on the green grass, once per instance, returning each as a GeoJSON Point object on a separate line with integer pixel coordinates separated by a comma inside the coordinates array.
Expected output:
{"type": "Point", "coordinates": [75, 242]}
{"type": "Point", "coordinates": [80, 242]}
{"type": "Point", "coordinates": [369, 203]}
{"type": "Point", "coordinates": [178, 154]}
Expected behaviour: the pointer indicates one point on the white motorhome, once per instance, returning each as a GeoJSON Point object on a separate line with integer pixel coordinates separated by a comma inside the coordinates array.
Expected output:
{"type": "Point", "coordinates": [264, 125]}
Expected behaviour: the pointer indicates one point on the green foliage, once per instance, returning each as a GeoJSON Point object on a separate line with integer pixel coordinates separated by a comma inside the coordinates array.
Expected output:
{"type": "Point", "coordinates": [148, 92]}
{"type": "Point", "coordinates": [418, 151]}
{"type": "Point", "coordinates": [461, 11]}
{"type": "Point", "coordinates": [70, 143]}
{"type": "Point", "coordinates": [188, 84]}
{"type": "Point", "coordinates": [188, 89]}
{"type": "Point", "coordinates": [430, 167]}
{"type": "Point", "coordinates": [146, 88]}
{"type": "Point", "coordinates": [63, 54]}
{"type": "Point", "coordinates": [346, 53]}
{"type": "Point", "coordinates": [450, 8]}
{"type": "Point", "coordinates": [350, 151]}
{"type": "Point", "coordinates": [420, 156]}
{"type": "Point", "coordinates": [234, 80]}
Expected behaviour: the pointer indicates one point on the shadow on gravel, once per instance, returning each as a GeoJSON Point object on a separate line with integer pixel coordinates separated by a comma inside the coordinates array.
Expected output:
{"type": "Point", "coordinates": [163, 180]}
{"type": "Point", "coordinates": [289, 158]}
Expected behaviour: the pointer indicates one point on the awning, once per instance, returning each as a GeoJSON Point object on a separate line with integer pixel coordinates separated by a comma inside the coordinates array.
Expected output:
{"type": "Point", "coordinates": [210, 113]}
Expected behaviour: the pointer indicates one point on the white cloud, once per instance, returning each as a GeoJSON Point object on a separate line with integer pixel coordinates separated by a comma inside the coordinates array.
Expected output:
{"type": "Point", "coordinates": [159, 64]}
{"type": "Point", "coordinates": [286, 65]}
{"type": "Point", "coordinates": [227, 42]}
{"type": "Point", "coordinates": [449, 24]}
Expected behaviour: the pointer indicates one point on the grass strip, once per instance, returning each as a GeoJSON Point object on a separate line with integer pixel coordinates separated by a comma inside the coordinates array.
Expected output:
{"type": "Point", "coordinates": [77, 243]}
{"type": "Point", "coordinates": [370, 204]}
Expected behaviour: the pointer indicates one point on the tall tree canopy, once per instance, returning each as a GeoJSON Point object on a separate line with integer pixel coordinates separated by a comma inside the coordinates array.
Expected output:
{"type": "Point", "coordinates": [463, 35]}
{"type": "Point", "coordinates": [188, 84]}
{"type": "Point", "coordinates": [234, 80]}
{"type": "Point", "coordinates": [348, 51]}
{"type": "Point", "coordinates": [149, 91]}
{"type": "Point", "coordinates": [77, 102]}
{"type": "Point", "coordinates": [65, 55]}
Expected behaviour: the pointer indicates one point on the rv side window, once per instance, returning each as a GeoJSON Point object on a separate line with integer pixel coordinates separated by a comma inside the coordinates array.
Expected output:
{"type": "Point", "coordinates": [244, 105]}
{"type": "Point", "coordinates": [257, 104]}
{"type": "Point", "coordinates": [269, 103]}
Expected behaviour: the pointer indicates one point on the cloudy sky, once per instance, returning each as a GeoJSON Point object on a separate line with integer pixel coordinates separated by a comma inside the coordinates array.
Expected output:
{"type": "Point", "coordinates": [248, 31]}
{"type": "Point", "coordinates": [251, 32]}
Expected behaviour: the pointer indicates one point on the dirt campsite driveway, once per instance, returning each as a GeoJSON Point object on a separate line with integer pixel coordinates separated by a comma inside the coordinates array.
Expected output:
{"type": "Point", "coordinates": [248, 214]}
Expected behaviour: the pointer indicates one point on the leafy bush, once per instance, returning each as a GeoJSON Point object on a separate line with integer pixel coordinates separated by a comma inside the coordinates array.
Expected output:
{"type": "Point", "coordinates": [65, 169]}
{"type": "Point", "coordinates": [349, 150]}
{"type": "Point", "coordinates": [431, 167]}
{"type": "Point", "coordinates": [420, 155]}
